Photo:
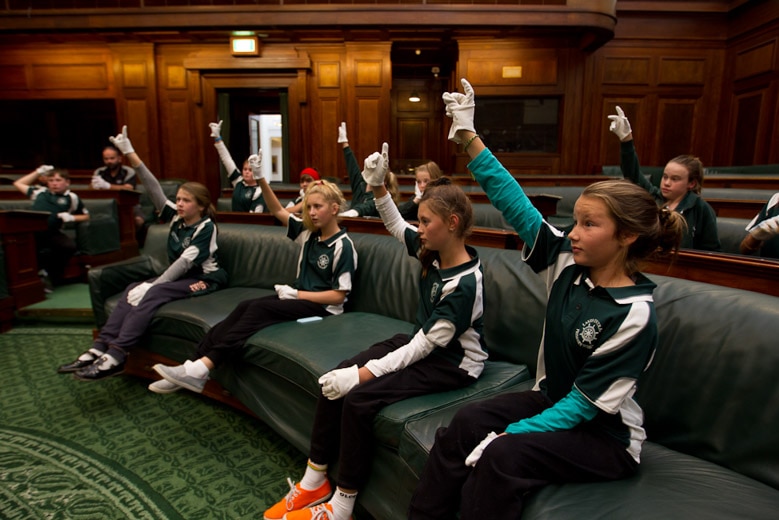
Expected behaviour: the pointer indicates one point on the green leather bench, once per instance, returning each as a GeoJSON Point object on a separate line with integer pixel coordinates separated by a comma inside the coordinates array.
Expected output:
{"type": "Point", "coordinates": [710, 396]}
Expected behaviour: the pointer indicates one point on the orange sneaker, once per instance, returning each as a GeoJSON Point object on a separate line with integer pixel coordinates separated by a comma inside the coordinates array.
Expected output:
{"type": "Point", "coordinates": [318, 512]}
{"type": "Point", "coordinates": [298, 498]}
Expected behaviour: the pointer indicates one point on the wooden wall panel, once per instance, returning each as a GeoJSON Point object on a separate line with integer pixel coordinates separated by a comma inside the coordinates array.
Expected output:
{"type": "Point", "coordinates": [367, 88]}
{"type": "Point", "coordinates": [747, 121]}
{"type": "Point", "coordinates": [502, 64]}
{"type": "Point", "coordinates": [626, 70]}
{"type": "Point", "coordinates": [751, 99]}
{"type": "Point", "coordinates": [681, 71]}
{"type": "Point", "coordinates": [663, 89]}
{"type": "Point", "coordinates": [323, 113]}
{"type": "Point", "coordinates": [675, 128]}
{"type": "Point", "coordinates": [13, 77]}
{"type": "Point", "coordinates": [136, 98]}
{"type": "Point", "coordinates": [755, 60]}
{"type": "Point", "coordinates": [56, 72]}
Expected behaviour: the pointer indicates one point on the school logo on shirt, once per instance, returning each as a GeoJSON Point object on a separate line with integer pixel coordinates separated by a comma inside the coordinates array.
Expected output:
{"type": "Point", "coordinates": [434, 292]}
{"type": "Point", "coordinates": [323, 261]}
{"type": "Point", "coordinates": [587, 335]}
{"type": "Point", "coordinates": [62, 201]}
{"type": "Point", "coordinates": [186, 242]}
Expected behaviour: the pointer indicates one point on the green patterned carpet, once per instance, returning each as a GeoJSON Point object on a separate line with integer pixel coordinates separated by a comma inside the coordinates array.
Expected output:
{"type": "Point", "coordinates": [113, 450]}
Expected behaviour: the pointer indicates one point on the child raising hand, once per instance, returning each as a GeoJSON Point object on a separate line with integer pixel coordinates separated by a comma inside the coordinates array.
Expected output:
{"type": "Point", "coordinates": [445, 352]}
{"type": "Point", "coordinates": [579, 422]}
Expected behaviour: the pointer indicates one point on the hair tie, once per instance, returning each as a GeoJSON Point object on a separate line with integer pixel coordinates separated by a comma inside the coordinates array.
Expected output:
{"type": "Point", "coordinates": [664, 214]}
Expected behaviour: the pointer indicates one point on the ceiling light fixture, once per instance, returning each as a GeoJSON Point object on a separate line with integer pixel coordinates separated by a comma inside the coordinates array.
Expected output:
{"type": "Point", "coordinates": [414, 97]}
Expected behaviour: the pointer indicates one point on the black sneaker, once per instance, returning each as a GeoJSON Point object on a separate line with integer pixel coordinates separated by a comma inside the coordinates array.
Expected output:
{"type": "Point", "coordinates": [76, 365]}
{"type": "Point", "coordinates": [93, 371]}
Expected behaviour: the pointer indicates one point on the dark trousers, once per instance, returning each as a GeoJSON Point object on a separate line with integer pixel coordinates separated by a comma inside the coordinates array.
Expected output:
{"type": "Point", "coordinates": [343, 428]}
{"type": "Point", "coordinates": [127, 324]}
{"type": "Point", "coordinates": [230, 334]}
{"type": "Point", "coordinates": [55, 249]}
{"type": "Point", "coordinates": [511, 465]}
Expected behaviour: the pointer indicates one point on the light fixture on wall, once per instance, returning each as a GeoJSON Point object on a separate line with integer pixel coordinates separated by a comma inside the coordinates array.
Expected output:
{"type": "Point", "coordinates": [414, 97]}
{"type": "Point", "coordinates": [244, 43]}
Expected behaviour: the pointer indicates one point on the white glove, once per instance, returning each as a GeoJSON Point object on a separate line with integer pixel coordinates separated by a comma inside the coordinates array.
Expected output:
{"type": "Point", "coordinates": [137, 293]}
{"type": "Point", "coordinates": [376, 167]}
{"type": "Point", "coordinates": [66, 217]}
{"type": "Point", "coordinates": [349, 213]}
{"type": "Point", "coordinates": [99, 183]}
{"type": "Point", "coordinates": [216, 129]}
{"type": "Point", "coordinates": [255, 163]}
{"type": "Point", "coordinates": [342, 134]}
{"type": "Point", "coordinates": [475, 455]}
{"type": "Point", "coordinates": [620, 125]}
{"type": "Point", "coordinates": [286, 292]}
{"type": "Point", "coordinates": [43, 169]}
{"type": "Point", "coordinates": [337, 383]}
{"type": "Point", "coordinates": [417, 191]}
{"type": "Point", "coordinates": [460, 108]}
{"type": "Point", "coordinates": [122, 142]}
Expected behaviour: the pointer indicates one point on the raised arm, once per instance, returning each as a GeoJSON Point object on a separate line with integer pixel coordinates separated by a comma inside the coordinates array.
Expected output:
{"type": "Point", "coordinates": [224, 154]}
{"type": "Point", "coordinates": [147, 178]}
{"type": "Point", "coordinates": [23, 184]}
{"type": "Point", "coordinates": [274, 206]}
{"type": "Point", "coordinates": [628, 158]}
{"type": "Point", "coordinates": [501, 188]}
{"type": "Point", "coordinates": [374, 171]}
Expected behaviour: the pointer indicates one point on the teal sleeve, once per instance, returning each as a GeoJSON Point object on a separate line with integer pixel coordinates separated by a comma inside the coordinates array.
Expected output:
{"type": "Point", "coordinates": [566, 413]}
{"type": "Point", "coordinates": [355, 178]}
{"type": "Point", "coordinates": [507, 195]}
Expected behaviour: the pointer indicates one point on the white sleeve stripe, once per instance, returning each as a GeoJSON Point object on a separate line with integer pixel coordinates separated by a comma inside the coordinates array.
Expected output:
{"type": "Point", "coordinates": [635, 322]}
{"type": "Point", "coordinates": [611, 400]}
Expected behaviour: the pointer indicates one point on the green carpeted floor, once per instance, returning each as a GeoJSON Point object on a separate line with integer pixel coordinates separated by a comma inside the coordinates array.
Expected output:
{"type": "Point", "coordinates": [112, 449]}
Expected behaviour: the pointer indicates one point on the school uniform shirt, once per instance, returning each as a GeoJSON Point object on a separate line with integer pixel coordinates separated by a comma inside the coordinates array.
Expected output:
{"type": "Point", "coordinates": [770, 247]}
{"type": "Point", "coordinates": [126, 175]}
{"type": "Point", "coordinates": [409, 210]}
{"type": "Point", "coordinates": [363, 201]}
{"type": "Point", "coordinates": [192, 250]}
{"type": "Point", "coordinates": [45, 200]}
{"type": "Point", "coordinates": [245, 197]}
{"type": "Point", "coordinates": [597, 341]}
{"type": "Point", "coordinates": [449, 320]}
{"type": "Point", "coordinates": [701, 219]}
{"type": "Point", "coordinates": [323, 265]}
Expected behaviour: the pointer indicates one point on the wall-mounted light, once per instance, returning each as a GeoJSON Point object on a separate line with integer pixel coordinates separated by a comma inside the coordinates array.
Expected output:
{"type": "Point", "coordinates": [414, 97]}
{"type": "Point", "coordinates": [244, 43]}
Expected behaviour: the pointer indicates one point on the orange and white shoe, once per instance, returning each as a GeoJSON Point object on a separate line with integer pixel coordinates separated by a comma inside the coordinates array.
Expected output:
{"type": "Point", "coordinates": [298, 498]}
{"type": "Point", "coordinates": [318, 512]}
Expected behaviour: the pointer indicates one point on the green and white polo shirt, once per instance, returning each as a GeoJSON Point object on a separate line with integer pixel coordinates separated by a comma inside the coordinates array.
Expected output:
{"type": "Point", "coordinates": [598, 340]}
{"type": "Point", "coordinates": [323, 265]}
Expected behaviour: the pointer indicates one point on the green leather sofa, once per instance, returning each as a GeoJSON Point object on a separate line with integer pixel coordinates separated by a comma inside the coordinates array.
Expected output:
{"type": "Point", "coordinates": [710, 397]}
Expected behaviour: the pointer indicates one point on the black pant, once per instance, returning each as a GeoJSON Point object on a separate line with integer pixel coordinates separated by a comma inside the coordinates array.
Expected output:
{"type": "Point", "coordinates": [343, 428]}
{"type": "Point", "coordinates": [55, 249]}
{"type": "Point", "coordinates": [511, 465]}
{"type": "Point", "coordinates": [230, 334]}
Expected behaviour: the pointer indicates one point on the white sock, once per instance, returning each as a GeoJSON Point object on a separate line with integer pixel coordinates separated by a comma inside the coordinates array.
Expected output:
{"type": "Point", "coordinates": [196, 369]}
{"type": "Point", "coordinates": [107, 362]}
{"type": "Point", "coordinates": [314, 477]}
{"type": "Point", "coordinates": [343, 504]}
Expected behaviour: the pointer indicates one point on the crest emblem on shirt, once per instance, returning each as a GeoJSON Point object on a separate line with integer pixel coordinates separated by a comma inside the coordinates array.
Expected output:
{"type": "Point", "coordinates": [434, 292]}
{"type": "Point", "coordinates": [587, 335]}
{"type": "Point", "coordinates": [185, 243]}
{"type": "Point", "coordinates": [62, 201]}
{"type": "Point", "coordinates": [323, 261]}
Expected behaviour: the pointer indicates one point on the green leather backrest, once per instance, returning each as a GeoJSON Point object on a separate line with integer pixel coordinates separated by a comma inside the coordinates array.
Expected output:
{"type": "Point", "coordinates": [712, 389]}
